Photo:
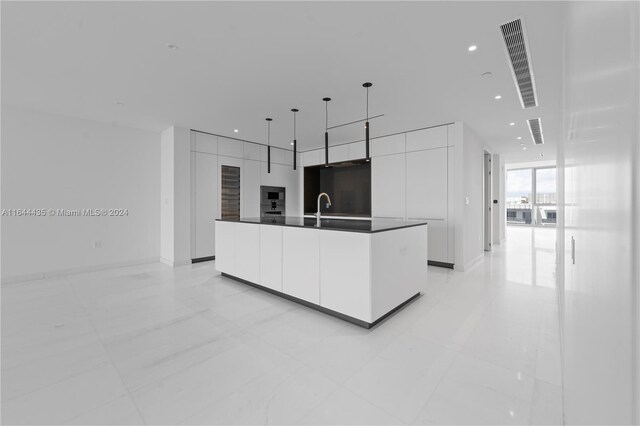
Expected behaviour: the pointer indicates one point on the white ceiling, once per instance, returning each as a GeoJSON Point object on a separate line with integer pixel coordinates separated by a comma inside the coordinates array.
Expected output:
{"type": "Point", "coordinates": [239, 62]}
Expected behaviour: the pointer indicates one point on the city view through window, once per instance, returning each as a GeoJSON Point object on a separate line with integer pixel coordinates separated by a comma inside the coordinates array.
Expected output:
{"type": "Point", "coordinates": [531, 196]}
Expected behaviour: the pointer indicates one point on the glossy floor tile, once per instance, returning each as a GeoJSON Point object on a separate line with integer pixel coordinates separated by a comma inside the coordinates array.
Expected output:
{"type": "Point", "coordinates": [154, 345]}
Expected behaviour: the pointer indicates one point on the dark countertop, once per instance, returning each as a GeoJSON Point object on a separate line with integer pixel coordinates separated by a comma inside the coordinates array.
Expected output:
{"type": "Point", "coordinates": [332, 224]}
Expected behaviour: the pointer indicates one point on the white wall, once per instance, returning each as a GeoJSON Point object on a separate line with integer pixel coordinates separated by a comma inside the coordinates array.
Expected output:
{"type": "Point", "coordinates": [473, 190]}
{"type": "Point", "coordinates": [497, 187]}
{"type": "Point", "coordinates": [599, 162]}
{"type": "Point", "coordinates": [52, 161]}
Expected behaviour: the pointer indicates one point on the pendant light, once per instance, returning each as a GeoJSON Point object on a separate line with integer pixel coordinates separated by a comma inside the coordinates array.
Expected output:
{"type": "Point", "coordinates": [366, 124]}
{"type": "Point", "coordinates": [326, 131]}
{"type": "Point", "coordinates": [295, 143]}
{"type": "Point", "coordinates": [269, 120]}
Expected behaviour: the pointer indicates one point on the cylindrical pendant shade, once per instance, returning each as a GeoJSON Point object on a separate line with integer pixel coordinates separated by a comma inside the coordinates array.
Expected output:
{"type": "Point", "coordinates": [269, 120]}
{"type": "Point", "coordinates": [326, 130]}
{"type": "Point", "coordinates": [366, 134]}
{"type": "Point", "coordinates": [295, 143]}
{"type": "Point", "coordinates": [326, 148]}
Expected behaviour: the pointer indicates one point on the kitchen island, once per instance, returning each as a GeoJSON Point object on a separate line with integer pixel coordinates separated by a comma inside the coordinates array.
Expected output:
{"type": "Point", "coordinates": [359, 270]}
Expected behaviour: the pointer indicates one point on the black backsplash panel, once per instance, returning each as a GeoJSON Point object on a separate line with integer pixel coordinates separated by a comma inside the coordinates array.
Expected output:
{"type": "Point", "coordinates": [348, 184]}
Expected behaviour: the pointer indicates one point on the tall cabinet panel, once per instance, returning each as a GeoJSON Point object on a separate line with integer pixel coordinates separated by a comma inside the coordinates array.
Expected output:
{"type": "Point", "coordinates": [427, 188]}
{"type": "Point", "coordinates": [427, 184]}
{"type": "Point", "coordinates": [206, 206]}
{"type": "Point", "coordinates": [251, 189]}
{"type": "Point", "coordinates": [388, 186]}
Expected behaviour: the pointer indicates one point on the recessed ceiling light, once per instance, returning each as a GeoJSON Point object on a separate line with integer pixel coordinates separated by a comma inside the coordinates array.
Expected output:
{"type": "Point", "coordinates": [519, 137]}
{"type": "Point", "coordinates": [524, 147]}
{"type": "Point", "coordinates": [235, 130]}
{"type": "Point", "coordinates": [291, 143]}
{"type": "Point", "coordinates": [497, 97]}
{"type": "Point", "coordinates": [172, 46]}
{"type": "Point", "coordinates": [472, 48]}
{"type": "Point", "coordinates": [512, 124]}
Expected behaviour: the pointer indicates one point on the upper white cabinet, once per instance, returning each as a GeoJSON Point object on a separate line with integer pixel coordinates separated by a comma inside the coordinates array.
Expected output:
{"type": "Point", "coordinates": [427, 184]}
{"type": "Point", "coordinates": [205, 204]}
{"type": "Point", "coordinates": [388, 186]}
{"type": "Point", "coordinates": [394, 144]}
{"type": "Point", "coordinates": [251, 151]}
{"type": "Point", "coordinates": [357, 150]}
{"type": "Point", "coordinates": [434, 137]}
{"type": "Point", "coordinates": [312, 158]}
{"type": "Point", "coordinates": [281, 156]}
{"type": "Point", "coordinates": [205, 143]}
{"type": "Point", "coordinates": [230, 147]}
{"type": "Point", "coordinates": [339, 153]}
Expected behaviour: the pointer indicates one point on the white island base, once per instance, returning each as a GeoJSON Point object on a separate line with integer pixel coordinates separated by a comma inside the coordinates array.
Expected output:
{"type": "Point", "coordinates": [360, 276]}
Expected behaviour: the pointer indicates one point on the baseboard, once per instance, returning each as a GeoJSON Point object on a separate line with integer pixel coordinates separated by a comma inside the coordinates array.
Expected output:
{"type": "Point", "coordinates": [474, 261]}
{"type": "Point", "coordinates": [166, 261]}
{"type": "Point", "coordinates": [73, 271]}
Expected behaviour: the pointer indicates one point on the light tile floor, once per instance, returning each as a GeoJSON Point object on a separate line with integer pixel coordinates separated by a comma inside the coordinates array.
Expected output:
{"type": "Point", "coordinates": [150, 344]}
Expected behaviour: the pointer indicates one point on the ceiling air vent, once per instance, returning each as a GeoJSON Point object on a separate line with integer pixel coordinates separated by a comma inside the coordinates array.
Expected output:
{"type": "Point", "coordinates": [517, 47]}
{"type": "Point", "coordinates": [535, 127]}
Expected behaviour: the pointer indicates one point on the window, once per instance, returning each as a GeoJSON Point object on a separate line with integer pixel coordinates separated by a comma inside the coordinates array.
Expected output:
{"type": "Point", "coordinates": [519, 190]}
{"type": "Point", "coordinates": [525, 208]}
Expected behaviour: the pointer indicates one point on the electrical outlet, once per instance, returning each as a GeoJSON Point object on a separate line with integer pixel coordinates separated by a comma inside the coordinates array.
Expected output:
{"type": "Point", "coordinates": [96, 243]}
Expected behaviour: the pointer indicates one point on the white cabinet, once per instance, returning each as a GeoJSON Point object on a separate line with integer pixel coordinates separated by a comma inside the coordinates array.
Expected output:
{"type": "Point", "coordinates": [230, 147]}
{"type": "Point", "coordinates": [238, 248]}
{"type": "Point", "coordinates": [344, 257]}
{"type": "Point", "coordinates": [205, 143]}
{"type": "Point", "coordinates": [427, 197]}
{"type": "Point", "coordinates": [301, 263]}
{"type": "Point", "coordinates": [205, 204]}
{"type": "Point", "coordinates": [434, 137]}
{"type": "Point", "coordinates": [251, 151]}
{"type": "Point", "coordinates": [388, 186]}
{"type": "Point", "coordinates": [338, 153]}
{"type": "Point", "coordinates": [251, 188]}
{"type": "Point", "coordinates": [394, 144]}
{"type": "Point", "coordinates": [312, 158]}
{"type": "Point", "coordinates": [427, 184]}
{"type": "Point", "coordinates": [357, 150]}
{"type": "Point", "coordinates": [271, 256]}
{"type": "Point", "coordinates": [281, 156]}
{"type": "Point", "coordinates": [226, 247]}
{"type": "Point", "coordinates": [247, 257]}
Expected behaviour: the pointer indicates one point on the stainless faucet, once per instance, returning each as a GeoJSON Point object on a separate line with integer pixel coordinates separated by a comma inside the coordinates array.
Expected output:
{"type": "Point", "coordinates": [318, 212]}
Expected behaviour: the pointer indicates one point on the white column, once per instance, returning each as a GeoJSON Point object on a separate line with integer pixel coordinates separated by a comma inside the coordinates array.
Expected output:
{"type": "Point", "coordinates": [175, 196]}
